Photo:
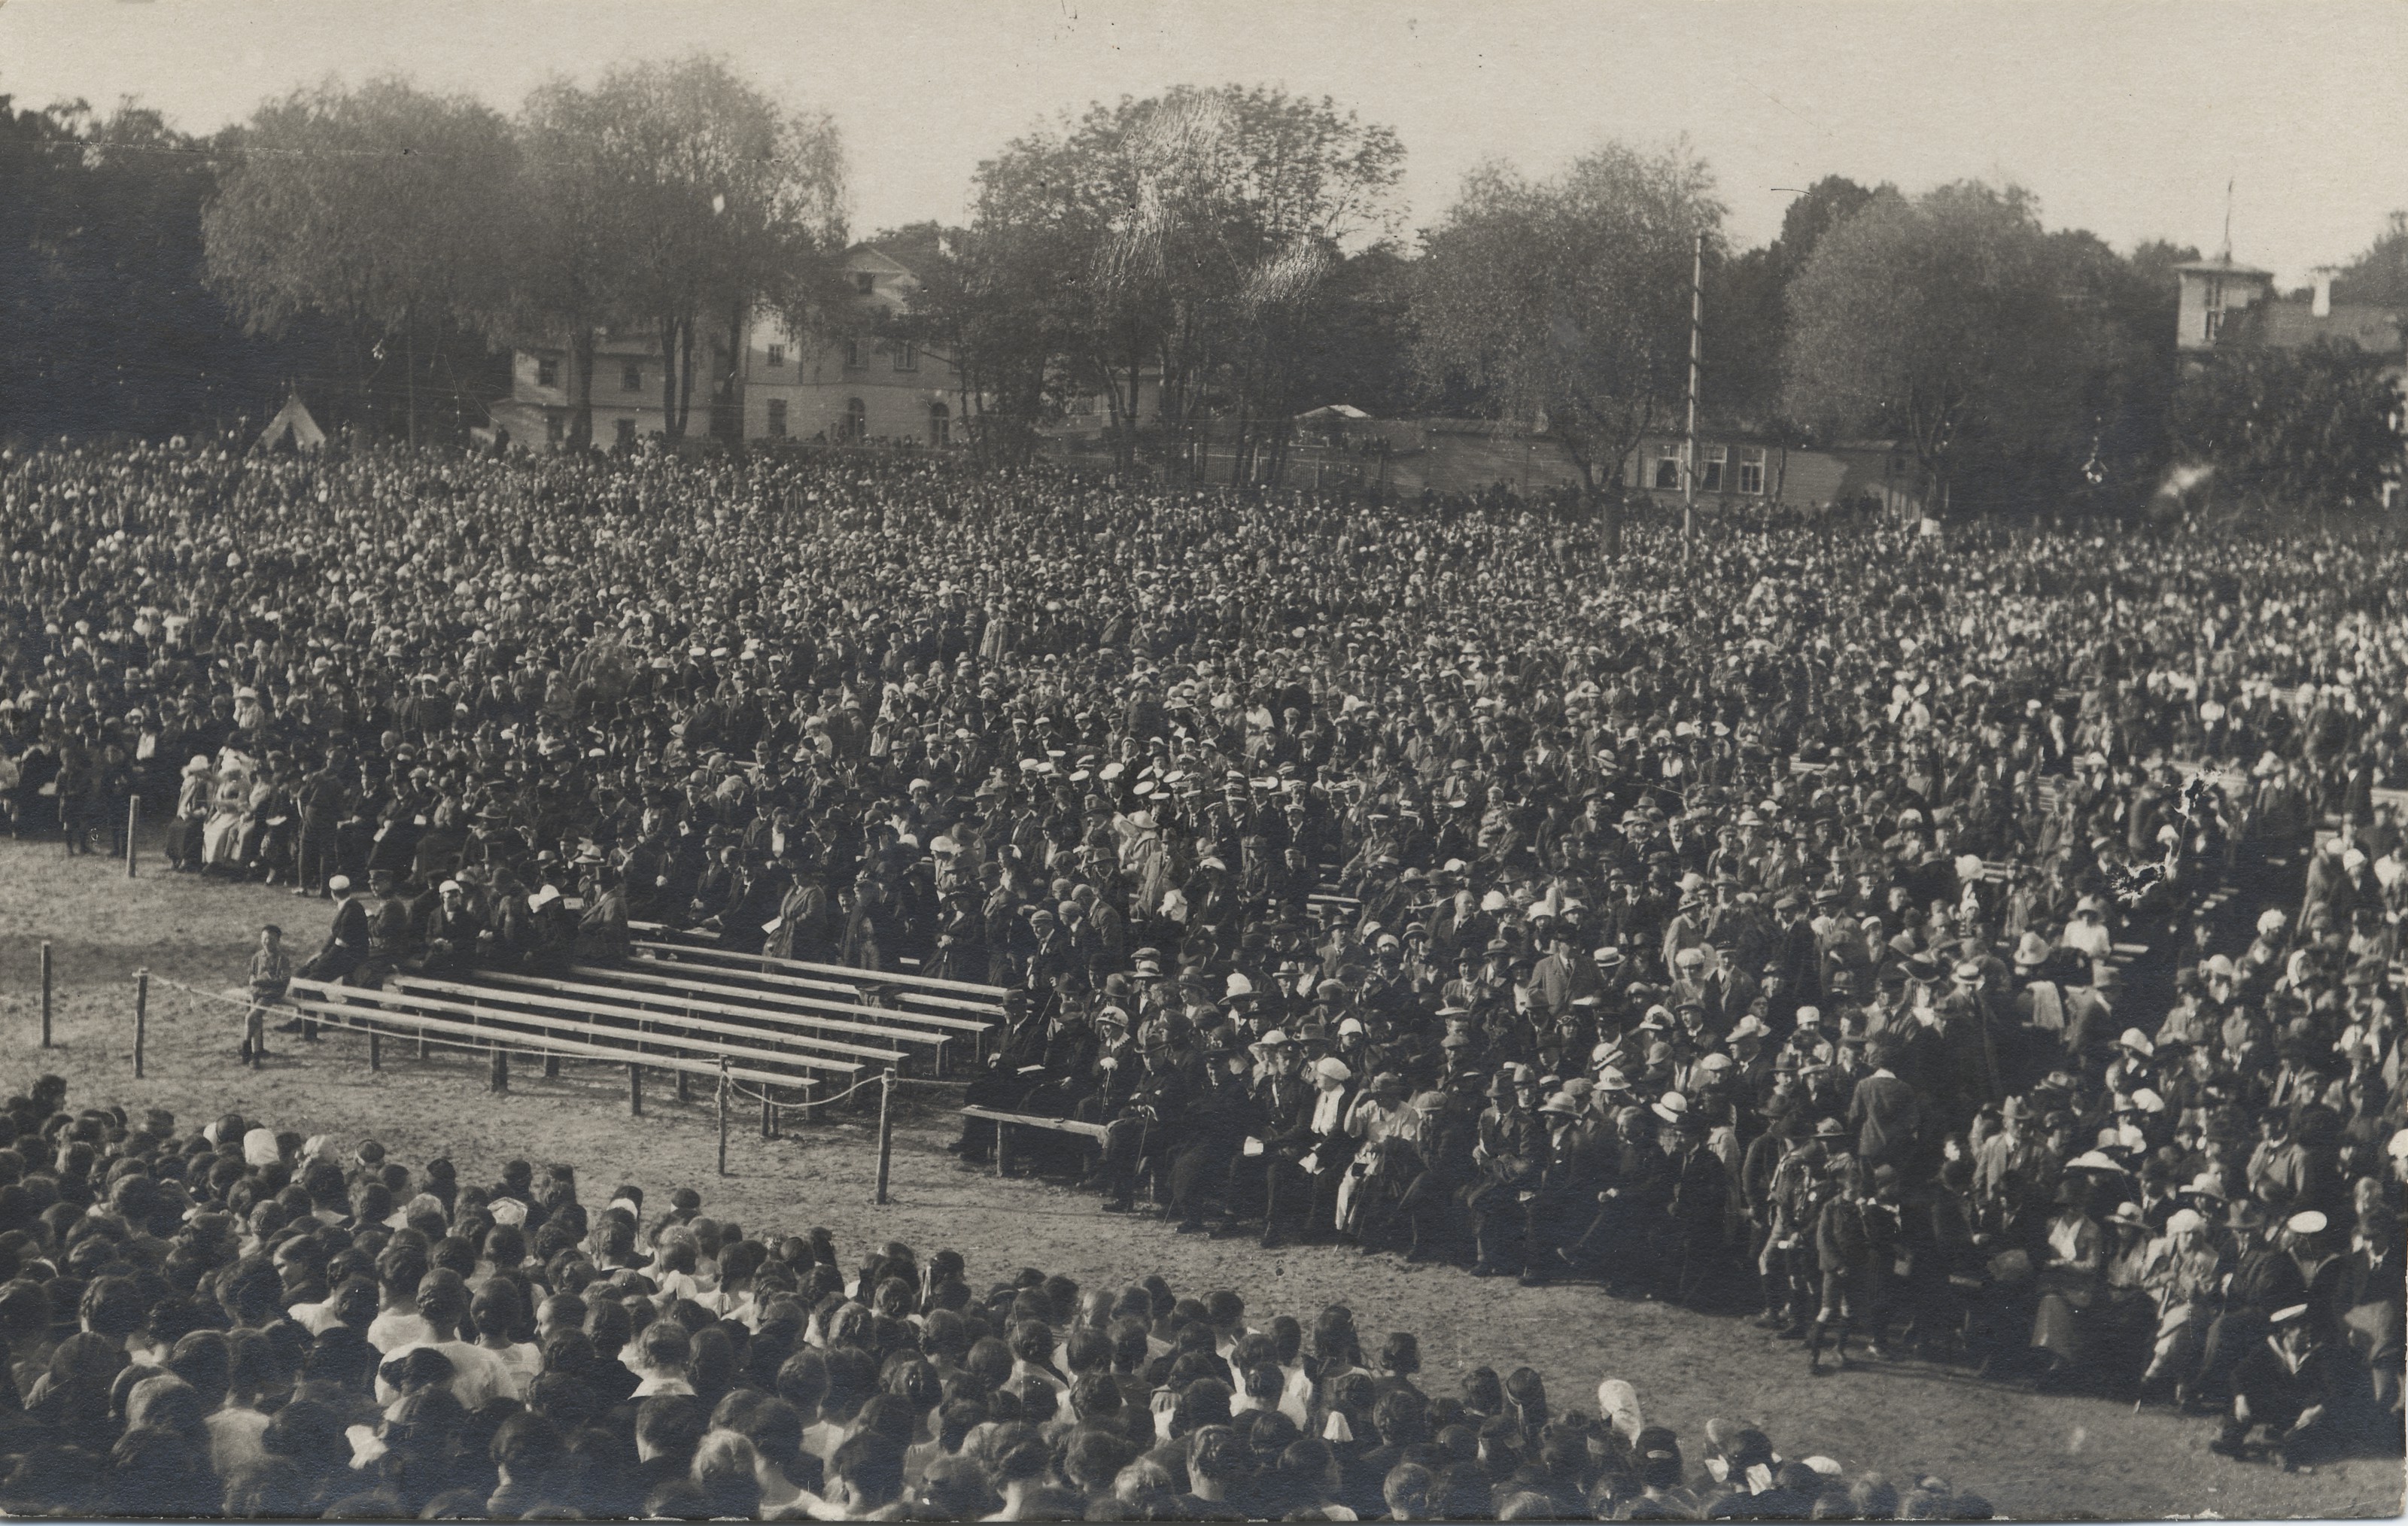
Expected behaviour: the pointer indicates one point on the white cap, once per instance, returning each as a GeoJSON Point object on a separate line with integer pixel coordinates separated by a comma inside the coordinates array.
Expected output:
{"type": "Point", "coordinates": [1332, 1068]}
{"type": "Point", "coordinates": [448, 887]}
{"type": "Point", "coordinates": [339, 884]}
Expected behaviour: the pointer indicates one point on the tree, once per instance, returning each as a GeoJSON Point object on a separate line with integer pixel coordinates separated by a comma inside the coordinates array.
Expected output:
{"type": "Point", "coordinates": [1567, 300]}
{"type": "Point", "coordinates": [379, 208]}
{"type": "Point", "coordinates": [2289, 429]}
{"type": "Point", "coordinates": [1954, 322]}
{"type": "Point", "coordinates": [1184, 234]}
{"type": "Point", "coordinates": [714, 202]}
{"type": "Point", "coordinates": [2380, 274]}
{"type": "Point", "coordinates": [562, 275]}
{"type": "Point", "coordinates": [1747, 305]}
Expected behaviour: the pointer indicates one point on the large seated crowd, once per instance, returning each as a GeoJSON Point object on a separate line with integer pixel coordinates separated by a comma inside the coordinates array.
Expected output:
{"type": "Point", "coordinates": [1739, 917]}
{"type": "Point", "coordinates": [230, 1319]}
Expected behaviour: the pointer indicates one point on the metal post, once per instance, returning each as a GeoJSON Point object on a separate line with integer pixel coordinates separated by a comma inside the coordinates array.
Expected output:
{"type": "Point", "coordinates": [46, 994]}
{"type": "Point", "coordinates": [1697, 328]}
{"type": "Point", "coordinates": [142, 1018]}
{"type": "Point", "coordinates": [133, 820]}
{"type": "Point", "coordinates": [885, 1130]}
{"type": "Point", "coordinates": [723, 1115]}
{"type": "Point", "coordinates": [634, 1089]}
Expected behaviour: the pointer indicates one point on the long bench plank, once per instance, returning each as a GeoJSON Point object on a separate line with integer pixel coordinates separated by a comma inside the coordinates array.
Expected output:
{"type": "Point", "coordinates": [1062, 1125]}
{"type": "Point", "coordinates": [880, 977]}
{"type": "Point", "coordinates": [751, 968]}
{"type": "Point", "coordinates": [719, 972]}
{"type": "Point", "coordinates": [684, 995]}
{"type": "Point", "coordinates": [640, 1037]}
{"type": "Point", "coordinates": [538, 998]}
{"type": "Point", "coordinates": [345, 1002]}
{"type": "Point", "coordinates": [770, 1002]}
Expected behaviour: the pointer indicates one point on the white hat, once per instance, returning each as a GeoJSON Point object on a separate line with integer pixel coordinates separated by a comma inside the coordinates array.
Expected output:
{"type": "Point", "coordinates": [1349, 1025]}
{"type": "Point", "coordinates": [339, 884]}
{"type": "Point", "coordinates": [1332, 1068]}
{"type": "Point", "coordinates": [259, 1148]}
{"type": "Point", "coordinates": [2184, 1220]}
{"type": "Point", "coordinates": [2306, 1221]}
{"type": "Point", "coordinates": [1272, 1040]}
{"type": "Point", "coordinates": [448, 887]}
{"type": "Point", "coordinates": [2271, 921]}
{"type": "Point", "coordinates": [506, 1210]}
{"type": "Point", "coordinates": [1493, 901]}
{"type": "Point", "coordinates": [1673, 1108]}
{"type": "Point", "coordinates": [2353, 860]}
{"type": "Point", "coordinates": [1809, 1015]}
{"type": "Point", "coordinates": [1239, 985]}
{"type": "Point", "coordinates": [2148, 1101]}
{"type": "Point", "coordinates": [2132, 1038]}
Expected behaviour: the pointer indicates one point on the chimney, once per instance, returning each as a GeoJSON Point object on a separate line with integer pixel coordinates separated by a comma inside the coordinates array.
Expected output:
{"type": "Point", "coordinates": [2321, 304]}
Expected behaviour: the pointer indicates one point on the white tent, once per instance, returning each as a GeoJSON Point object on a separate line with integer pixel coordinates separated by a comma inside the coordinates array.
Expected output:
{"type": "Point", "coordinates": [293, 420]}
{"type": "Point", "coordinates": [1334, 410]}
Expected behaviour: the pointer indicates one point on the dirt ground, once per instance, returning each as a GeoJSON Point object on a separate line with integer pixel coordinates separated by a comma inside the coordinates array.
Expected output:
{"type": "Point", "coordinates": [2055, 1456]}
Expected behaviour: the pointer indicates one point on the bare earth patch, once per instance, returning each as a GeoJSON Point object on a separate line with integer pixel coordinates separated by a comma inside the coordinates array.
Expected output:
{"type": "Point", "coordinates": [2036, 1457]}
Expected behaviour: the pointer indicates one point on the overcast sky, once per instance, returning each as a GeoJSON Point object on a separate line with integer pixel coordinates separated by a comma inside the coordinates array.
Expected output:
{"type": "Point", "coordinates": [2126, 118]}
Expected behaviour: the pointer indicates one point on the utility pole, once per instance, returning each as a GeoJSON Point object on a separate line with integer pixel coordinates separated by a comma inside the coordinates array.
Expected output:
{"type": "Point", "coordinates": [1697, 328]}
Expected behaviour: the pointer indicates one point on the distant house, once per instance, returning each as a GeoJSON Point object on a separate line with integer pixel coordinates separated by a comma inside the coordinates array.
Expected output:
{"type": "Point", "coordinates": [2224, 304]}
{"type": "Point", "coordinates": [856, 389]}
{"type": "Point", "coordinates": [1743, 467]}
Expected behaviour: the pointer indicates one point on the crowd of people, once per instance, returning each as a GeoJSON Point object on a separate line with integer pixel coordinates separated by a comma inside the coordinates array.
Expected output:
{"type": "Point", "coordinates": [231, 1320]}
{"type": "Point", "coordinates": [1754, 913]}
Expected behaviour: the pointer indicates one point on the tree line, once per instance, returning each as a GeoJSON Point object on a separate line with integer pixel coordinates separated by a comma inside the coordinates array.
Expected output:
{"type": "Point", "coordinates": [1205, 264]}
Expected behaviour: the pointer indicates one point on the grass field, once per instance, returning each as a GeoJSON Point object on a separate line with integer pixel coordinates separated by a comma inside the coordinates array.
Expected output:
{"type": "Point", "coordinates": [2036, 1457]}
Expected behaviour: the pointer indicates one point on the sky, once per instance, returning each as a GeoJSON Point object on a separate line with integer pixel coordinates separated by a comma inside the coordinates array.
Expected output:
{"type": "Point", "coordinates": [2127, 119]}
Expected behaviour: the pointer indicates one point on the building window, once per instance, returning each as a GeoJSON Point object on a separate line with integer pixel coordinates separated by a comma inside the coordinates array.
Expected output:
{"type": "Point", "coordinates": [631, 377]}
{"type": "Point", "coordinates": [1751, 470]}
{"type": "Point", "coordinates": [1667, 474]}
{"type": "Point", "coordinates": [857, 420]}
{"type": "Point", "coordinates": [547, 371]}
{"type": "Point", "coordinates": [853, 354]}
{"type": "Point", "coordinates": [777, 418]}
{"type": "Point", "coordinates": [941, 424]}
{"type": "Point", "coordinates": [626, 431]}
{"type": "Point", "coordinates": [777, 355]}
{"type": "Point", "coordinates": [907, 358]}
{"type": "Point", "coordinates": [1712, 458]}
{"type": "Point", "coordinates": [865, 281]}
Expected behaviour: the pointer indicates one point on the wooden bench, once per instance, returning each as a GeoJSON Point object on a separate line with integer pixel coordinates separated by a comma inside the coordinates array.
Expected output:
{"type": "Point", "coordinates": [774, 1007]}
{"type": "Point", "coordinates": [1002, 1120]}
{"type": "Point", "coordinates": [719, 965]}
{"type": "Point", "coordinates": [507, 998]}
{"type": "Point", "coordinates": [377, 1012]}
{"type": "Point", "coordinates": [658, 932]}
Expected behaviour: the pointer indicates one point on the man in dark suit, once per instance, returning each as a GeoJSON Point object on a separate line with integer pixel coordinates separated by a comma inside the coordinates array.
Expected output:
{"type": "Point", "coordinates": [1282, 1120]}
{"type": "Point", "coordinates": [1886, 1113]}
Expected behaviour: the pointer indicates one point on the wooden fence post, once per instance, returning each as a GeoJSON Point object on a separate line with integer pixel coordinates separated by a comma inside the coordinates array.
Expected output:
{"type": "Point", "coordinates": [46, 994]}
{"type": "Point", "coordinates": [501, 1078]}
{"type": "Point", "coordinates": [376, 1051]}
{"type": "Point", "coordinates": [142, 1018]}
{"type": "Point", "coordinates": [551, 1066]}
{"type": "Point", "coordinates": [885, 1130]}
{"type": "Point", "coordinates": [132, 822]}
{"type": "Point", "coordinates": [723, 1115]}
{"type": "Point", "coordinates": [634, 1089]}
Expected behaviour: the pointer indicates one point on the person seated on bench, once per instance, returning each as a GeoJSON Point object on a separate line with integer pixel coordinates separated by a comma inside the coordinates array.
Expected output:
{"type": "Point", "coordinates": [455, 934]}
{"type": "Point", "coordinates": [1016, 1070]}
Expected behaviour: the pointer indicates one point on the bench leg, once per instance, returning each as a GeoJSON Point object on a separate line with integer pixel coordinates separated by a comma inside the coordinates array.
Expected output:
{"type": "Point", "coordinates": [376, 1051]}
{"type": "Point", "coordinates": [551, 1067]}
{"type": "Point", "coordinates": [998, 1147]}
